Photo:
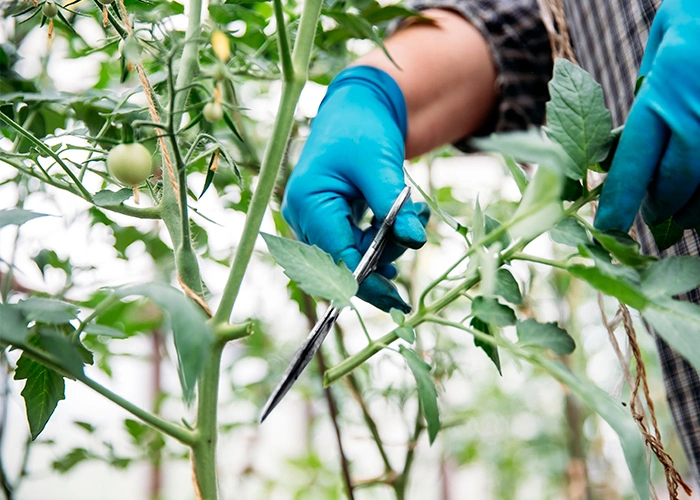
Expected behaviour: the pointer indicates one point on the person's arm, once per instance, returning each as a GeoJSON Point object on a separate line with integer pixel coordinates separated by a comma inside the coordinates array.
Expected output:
{"type": "Point", "coordinates": [447, 76]}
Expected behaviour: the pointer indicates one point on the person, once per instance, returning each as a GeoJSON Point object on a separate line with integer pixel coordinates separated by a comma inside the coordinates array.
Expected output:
{"type": "Point", "coordinates": [483, 66]}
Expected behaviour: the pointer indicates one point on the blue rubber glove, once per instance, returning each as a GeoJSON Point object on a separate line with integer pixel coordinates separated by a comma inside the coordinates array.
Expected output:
{"type": "Point", "coordinates": [354, 158]}
{"type": "Point", "coordinates": [658, 159]}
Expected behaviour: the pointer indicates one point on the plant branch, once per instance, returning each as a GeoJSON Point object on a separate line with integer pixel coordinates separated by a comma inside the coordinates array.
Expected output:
{"type": "Point", "coordinates": [138, 212]}
{"type": "Point", "coordinates": [173, 430]}
{"type": "Point", "coordinates": [226, 332]}
{"type": "Point", "coordinates": [283, 42]}
{"type": "Point", "coordinates": [352, 362]}
{"type": "Point", "coordinates": [333, 411]}
{"type": "Point", "coordinates": [538, 260]}
{"type": "Point", "coordinates": [356, 393]}
{"type": "Point", "coordinates": [272, 159]}
{"type": "Point", "coordinates": [43, 148]}
{"type": "Point", "coordinates": [401, 480]}
{"type": "Point", "coordinates": [113, 20]}
{"type": "Point", "coordinates": [369, 421]}
{"type": "Point", "coordinates": [101, 307]}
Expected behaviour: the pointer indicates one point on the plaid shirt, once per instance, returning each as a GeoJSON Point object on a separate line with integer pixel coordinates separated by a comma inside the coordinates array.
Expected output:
{"type": "Point", "coordinates": [609, 37]}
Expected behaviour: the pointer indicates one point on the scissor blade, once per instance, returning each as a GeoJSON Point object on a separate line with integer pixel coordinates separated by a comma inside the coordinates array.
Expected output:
{"type": "Point", "coordinates": [313, 342]}
{"type": "Point", "coordinates": [301, 359]}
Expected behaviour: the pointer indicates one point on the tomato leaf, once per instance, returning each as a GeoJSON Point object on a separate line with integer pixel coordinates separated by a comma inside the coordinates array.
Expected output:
{"type": "Point", "coordinates": [66, 352]}
{"type": "Point", "coordinates": [666, 234]}
{"type": "Point", "coordinates": [232, 126]}
{"type": "Point", "coordinates": [569, 232]}
{"type": "Point", "coordinates": [548, 335]}
{"type": "Point", "coordinates": [70, 460]}
{"type": "Point", "coordinates": [361, 28]}
{"type": "Point", "coordinates": [507, 287]}
{"type": "Point", "coordinates": [13, 327]}
{"type": "Point", "coordinates": [525, 147]}
{"type": "Point", "coordinates": [622, 247]}
{"type": "Point", "coordinates": [490, 349]}
{"type": "Point", "coordinates": [313, 270]}
{"type": "Point", "coordinates": [50, 311]}
{"type": "Point", "coordinates": [191, 333]}
{"type": "Point", "coordinates": [577, 117]}
{"type": "Point", "coordinates": [427, 393]}
{"type": "Point", "coordinates": [611, 279]}
{"type": "Point", "coordinates": [107, 198]}
{"type": "Point", "coordinates": [671, 276]}
{"type": "Point", "coordinates": [540, 207]}
{"type": "Point", "coordinates": [17, 216]}
{"type": "Point", "coordinates": [210, 174]}
{"type": "Point", "coordinates": [678, 323]}
{"type": "Point", "coordinates": [615, 415]}
{"type": "Point", "coordinates": [43, 389]}
{"type": "Point", "coordinates": [105, 331]}
{"type": "Point", "coordinates": [490, 311]}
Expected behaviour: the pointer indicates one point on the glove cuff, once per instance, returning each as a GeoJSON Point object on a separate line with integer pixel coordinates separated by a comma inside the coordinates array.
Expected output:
{"type": "Point", "coordinates": [383, 86]}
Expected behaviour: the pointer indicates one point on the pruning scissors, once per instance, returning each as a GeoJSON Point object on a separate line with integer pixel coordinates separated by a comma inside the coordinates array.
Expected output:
{"type": "Point", "coordinates": [319, 332]}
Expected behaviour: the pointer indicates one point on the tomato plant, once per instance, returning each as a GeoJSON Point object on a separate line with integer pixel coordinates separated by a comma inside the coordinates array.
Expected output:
{"type": "Point", "coordinates": [180, 94]}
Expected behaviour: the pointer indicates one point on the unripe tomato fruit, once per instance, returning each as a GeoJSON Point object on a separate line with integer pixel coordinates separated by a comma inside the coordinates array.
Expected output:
{"type": "Point", "coordinates": [130, 163]}
{"type": "Point", "coordinates": [213, 112]}
{"type": "Point", "coordinates": [49, 9]}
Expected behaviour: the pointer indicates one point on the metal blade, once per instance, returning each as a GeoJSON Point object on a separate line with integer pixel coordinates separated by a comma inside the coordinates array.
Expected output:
{"type": "Point", "coordinates": [301, 360]}
{"type": "Point", "coordinates": [313, 342]}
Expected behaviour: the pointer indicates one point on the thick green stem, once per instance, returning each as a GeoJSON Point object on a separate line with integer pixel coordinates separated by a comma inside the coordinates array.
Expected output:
{"type": "Point", "coordinates": [258, 205]}
{"type": "Point", "coordinates": [272, 159]}
{"type": "Point", "coordinates": [204, 448]}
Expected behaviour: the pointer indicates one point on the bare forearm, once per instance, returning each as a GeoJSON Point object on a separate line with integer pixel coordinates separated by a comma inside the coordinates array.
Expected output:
{"type": "Point", "coordinates": [447, 77]}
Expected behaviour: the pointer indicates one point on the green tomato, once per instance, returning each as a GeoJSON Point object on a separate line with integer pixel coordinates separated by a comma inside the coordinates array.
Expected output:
{"type": "Point", "coordinates": [130, 163]}
{"type": "Point", "coordinates": [213, 112]}
{"type": "Point", "coordinates": [49, 9]}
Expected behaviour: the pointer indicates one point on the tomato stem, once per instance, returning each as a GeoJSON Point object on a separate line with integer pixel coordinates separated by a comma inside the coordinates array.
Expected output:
{"type": "Point", "coordinates": [272, 159]}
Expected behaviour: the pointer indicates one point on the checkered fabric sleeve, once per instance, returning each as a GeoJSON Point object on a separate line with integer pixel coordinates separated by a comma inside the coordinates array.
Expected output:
{"type": "Point", "coordinates": [521, 53]}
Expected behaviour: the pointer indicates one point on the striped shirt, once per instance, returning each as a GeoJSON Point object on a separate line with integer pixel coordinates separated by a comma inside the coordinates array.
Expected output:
{"type": "Point", "coordinates": [608, 37]}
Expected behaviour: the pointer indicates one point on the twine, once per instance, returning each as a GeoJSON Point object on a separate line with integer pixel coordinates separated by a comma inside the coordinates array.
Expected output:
{"type": "Point", "coordinates": [554, 20]}
{"type": "Point", "coordinates": [155, 117]}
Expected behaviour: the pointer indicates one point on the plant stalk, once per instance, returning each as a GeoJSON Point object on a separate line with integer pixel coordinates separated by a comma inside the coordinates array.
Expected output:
{"type": "Point", "coordinates": [204, 447]}
{"type": "Point", "coordinates": [272, 159]}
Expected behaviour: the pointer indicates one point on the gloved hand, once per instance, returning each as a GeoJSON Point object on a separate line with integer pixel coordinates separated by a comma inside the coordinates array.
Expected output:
{"type": "Point", "coordinates": [354, 158]}
{"type": "Point", "coordinates": [657, 160]}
